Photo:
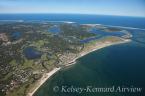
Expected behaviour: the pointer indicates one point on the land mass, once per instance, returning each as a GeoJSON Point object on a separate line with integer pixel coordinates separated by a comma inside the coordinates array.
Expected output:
{"type": "Point", "coordinates": [32, 52]}
{"type": "Point", "coordinates": [90, 47]}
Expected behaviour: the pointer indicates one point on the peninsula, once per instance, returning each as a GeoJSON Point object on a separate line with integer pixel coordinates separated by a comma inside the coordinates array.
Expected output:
{"type": "Point", "coordinates": [32, 52]}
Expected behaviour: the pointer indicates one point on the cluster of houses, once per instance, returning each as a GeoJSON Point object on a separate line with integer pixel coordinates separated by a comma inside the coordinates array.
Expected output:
{"type": "Point", "coordinates": [4, 68]}
{"type": "Point", "coordinates": [19, 77]}
{"type": "Point", "coordinates": [22, 75]}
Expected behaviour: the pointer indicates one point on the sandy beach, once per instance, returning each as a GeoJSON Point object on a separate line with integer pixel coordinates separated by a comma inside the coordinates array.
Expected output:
{"type": "Point", "coordinates": [97, 47]}
{"type": "Point", "coordinates": [46, 76]}
{"type": "Point", "coordinates": [43, 79]}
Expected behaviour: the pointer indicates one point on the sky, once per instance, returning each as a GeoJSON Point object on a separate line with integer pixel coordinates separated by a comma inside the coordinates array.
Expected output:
{"type": "Point", "coordinates": [102, 7]}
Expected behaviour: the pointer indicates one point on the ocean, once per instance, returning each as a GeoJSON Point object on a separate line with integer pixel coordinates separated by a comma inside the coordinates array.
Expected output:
{"type": "Point", "coordinates": [138, 22]}
{"type": "Point", "coordinates": [121, 66]}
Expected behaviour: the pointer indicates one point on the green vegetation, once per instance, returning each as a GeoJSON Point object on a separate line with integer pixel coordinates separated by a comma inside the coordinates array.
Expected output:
{"type": "Point", "coordinates": [19, 69]}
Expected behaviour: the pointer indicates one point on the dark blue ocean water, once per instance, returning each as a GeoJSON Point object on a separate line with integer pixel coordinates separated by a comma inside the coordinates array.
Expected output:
{"type": "Point", "coordinates": [120, 65]}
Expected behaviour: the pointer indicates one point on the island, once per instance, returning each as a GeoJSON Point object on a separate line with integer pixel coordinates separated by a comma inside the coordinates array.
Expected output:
{"type": "Point", "coordinates": [31, 52]}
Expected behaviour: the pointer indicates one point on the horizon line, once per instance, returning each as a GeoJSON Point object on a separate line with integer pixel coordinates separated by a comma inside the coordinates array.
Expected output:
{"type": "Point", "coordinates": [75, 14]}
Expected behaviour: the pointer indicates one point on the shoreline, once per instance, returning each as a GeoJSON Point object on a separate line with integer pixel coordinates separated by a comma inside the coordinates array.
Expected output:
{"type": "Point", "coordinates": [124, 27]}
{"type": "Point", "coordinates": [48, 75]}
{"type": "Point", "coordinates": [95, 49]}
{"type": "Point", "coordinates": [43, 79]}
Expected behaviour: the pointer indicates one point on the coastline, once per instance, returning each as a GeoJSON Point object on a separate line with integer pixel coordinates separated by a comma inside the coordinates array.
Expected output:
{"type": "Point", "coordinates": [135, 28]}
{"type": "Point", "coordinates": [48, 75]}
{"type": "Point", "coordinates": [44, 78]}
